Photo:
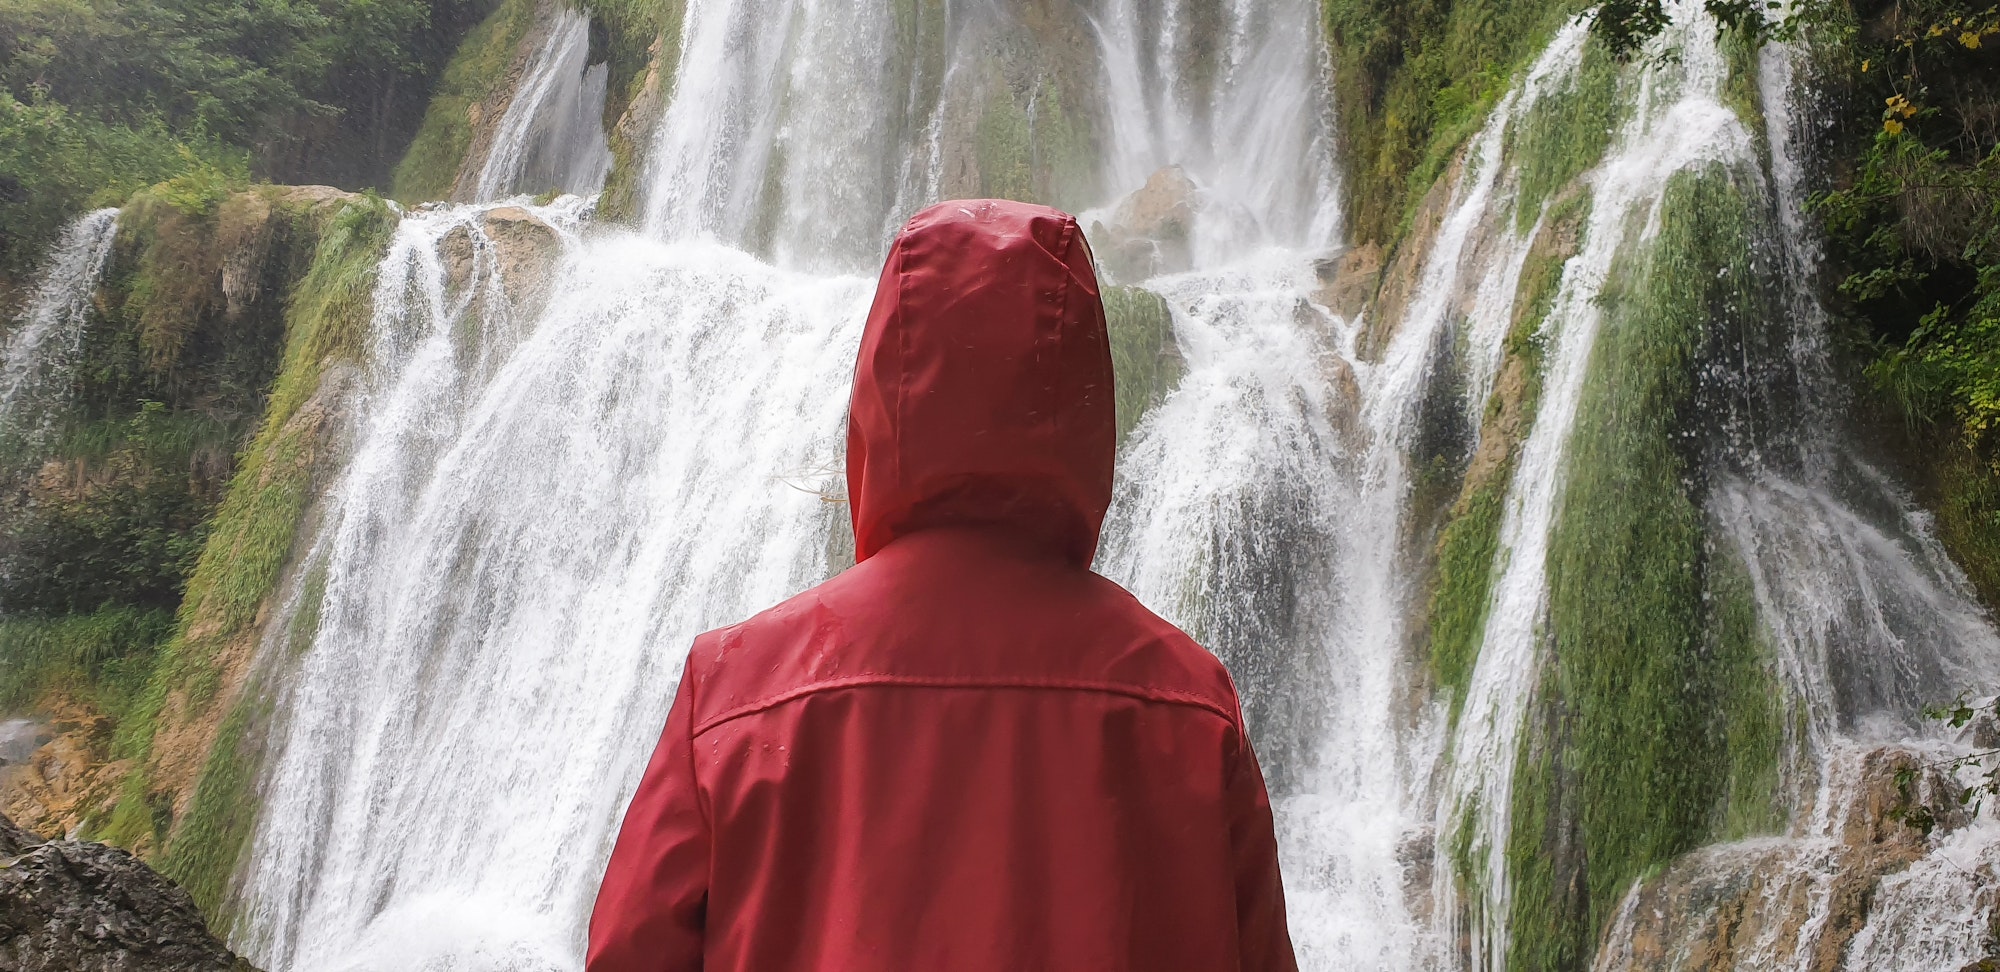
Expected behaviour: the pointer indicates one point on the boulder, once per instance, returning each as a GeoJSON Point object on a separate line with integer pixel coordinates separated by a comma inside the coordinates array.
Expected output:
{"type": "Point", "coordinates": [1147, 234]}
{"type": "Point", "coordinates": [1794, 902]}
{"type": "Point", "coordinates": [78, 906]}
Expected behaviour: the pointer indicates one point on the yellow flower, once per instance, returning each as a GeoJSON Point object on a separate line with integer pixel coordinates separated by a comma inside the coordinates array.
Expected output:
{"type": "Point", "coordinates": [1893, 127]}
{"type": "Point", "coordinates": [1969, 39]}
{"type": "Point", "coordinates": [1864, 66]}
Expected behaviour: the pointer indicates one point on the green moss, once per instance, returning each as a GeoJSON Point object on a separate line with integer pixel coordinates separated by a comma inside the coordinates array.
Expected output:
{"type": "Point", "coordinates": [1411, 81]}
{"type": "Point", "coordinates": [1965, 492]}
{"type": "Point", "coordinates": [1751, 708]}
{"type": "Point", "coordinates": [1547, 927]}
{"type": "Point", "coordinates": [1466, 564]}
{"type": "Point", "coordinates": [1655, 735]}
{"type": "Point", "coordinates": [1468, 545]}
{"type": "Point", "coordinates": [205, 846]}
{"type": "Point", "coordinates": [1145, 362]}
{"type": "Point", "coordinates": [620, 199]}
{"type": "Point", "coordinates": [430, 168]}
{"type": "Point", "coordinates": [104, 656]}
{"type": "Point", "coordinates": [1000, 144]}
{"type": "Point", "coordinates": [1564, 133]}
{"type": "Point", "coordinates": [1034, 146]}
{"type": "Point", "coordinates": [239, 569]}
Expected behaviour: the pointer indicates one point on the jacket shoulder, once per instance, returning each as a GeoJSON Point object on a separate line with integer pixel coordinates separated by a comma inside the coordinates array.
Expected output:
{"type": "Point", "coordinates": [1087, 634]}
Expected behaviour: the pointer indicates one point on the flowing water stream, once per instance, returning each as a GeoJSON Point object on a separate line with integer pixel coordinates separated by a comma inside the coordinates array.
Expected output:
{"type": "Point", "coordinates": [563, 467]}
{"type": "Point", "coordinates": [551, 137]}
{"type": "Point", "coordinates": [41, 346]}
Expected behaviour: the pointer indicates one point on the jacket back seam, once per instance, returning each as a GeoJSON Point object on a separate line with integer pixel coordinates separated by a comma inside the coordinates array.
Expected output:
{"type": "Point", "coordinates": [886, 680]}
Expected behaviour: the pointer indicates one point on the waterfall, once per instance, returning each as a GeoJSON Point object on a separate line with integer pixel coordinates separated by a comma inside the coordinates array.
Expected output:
{"type": "Point", "coordinates": [39, 350]}
{"type": "Point", "coordinates": [551, 137]}
{"type": "Point", "coordinates": [576, 447]}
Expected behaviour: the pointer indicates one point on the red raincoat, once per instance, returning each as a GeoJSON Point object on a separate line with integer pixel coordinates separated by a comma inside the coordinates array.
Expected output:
{"type": "Point", "coordinates": [968, 752]}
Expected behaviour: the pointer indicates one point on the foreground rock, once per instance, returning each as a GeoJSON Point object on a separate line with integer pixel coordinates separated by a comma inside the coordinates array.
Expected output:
{"type": "Point", "coordinates": [1805, 902]}
{"type": "Point", "coordinates": [77, 906]}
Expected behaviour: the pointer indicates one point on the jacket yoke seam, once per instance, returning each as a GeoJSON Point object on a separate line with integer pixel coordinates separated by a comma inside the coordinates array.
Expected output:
{"type": "Point", "coordinates": [891, 680]}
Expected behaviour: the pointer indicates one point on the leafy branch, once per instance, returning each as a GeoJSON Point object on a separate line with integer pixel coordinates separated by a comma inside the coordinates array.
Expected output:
{"type": "Point", "coordinates": [1924, 815]}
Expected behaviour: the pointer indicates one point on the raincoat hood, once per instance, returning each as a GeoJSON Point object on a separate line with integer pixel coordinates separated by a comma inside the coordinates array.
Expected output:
{"type": "Point", "coordinates": [983, 394]}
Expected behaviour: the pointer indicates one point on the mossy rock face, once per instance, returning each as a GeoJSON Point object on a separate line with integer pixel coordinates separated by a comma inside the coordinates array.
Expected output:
{"type": "Point", "coordinates": [1145, 360]}
{"type": "Point", "coordinates": [1412, 80]}
{"type": "Point", "coordinates": [635, 107]}
{"type": "Point", "coordinates": [1657, 730]}
{"type": "Point", "coordinates": [191, 735]}
{"type": "Point", "coordinates": [470, 97]}
{"type": "Point", "coordinates": [1021, 122]}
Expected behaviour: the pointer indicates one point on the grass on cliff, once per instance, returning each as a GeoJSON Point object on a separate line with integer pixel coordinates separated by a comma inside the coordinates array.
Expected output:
{"type": "Point", "coordinates": [1411, 81]}
{"type": "Point", "coordinates": [1658, 732]}
{"type": "Point", "coordinates": [1145, 362]}
{"type": "Point", "coordinates": [105, 656]}
{"type": "Point", "coordinates": [1469, 544]}
{"type": "Point", "coordinates": [240, 568]}
{"type": "Point", "coordinates": [430, 167]}
{"type": "Point", "coordinates": [632, 25]}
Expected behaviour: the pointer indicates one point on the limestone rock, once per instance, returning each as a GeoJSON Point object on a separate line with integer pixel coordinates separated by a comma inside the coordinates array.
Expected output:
{"type": "Point", "coordinates": [1744, 905]}
{"type": "Point", "coordinates": [1148, 232]}
{"type": "Point", "coordinates": [78, 906]}
{"type": "Point", "coordinates": [511, 242]}
{"type": "Point", "coordinates": [1349, 280]}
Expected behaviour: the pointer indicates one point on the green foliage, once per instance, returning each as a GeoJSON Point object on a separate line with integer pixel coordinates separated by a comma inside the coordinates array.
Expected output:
{"type": "Point", "coordinates": [1466, 563]}
{"type": "Point", "coordinates": [130, 541]}
{"type": "Point", "coordinates": [1564, 134]}
{"type": "Point", "coordinates": [105, 655]}
{"type": "Point", "coordinates": [1663, 733]}
{"type": "Point", "coordinates": [620, 199]}
{"type": "Point", "coordinates": [1627, 26]}
{"type": "Point", "coordinates": [1145, 362]}
{"type": "Point", "coordinates": [249, 543]}
{"type": "Point", "coordinates": [1913, 234]}
{"type": "Point", "coordinates": [101, 97]}
{"type": "Point", "coordinates": [1411, 81]}
{"type": "Point", "coordinates": [1954, 798]}
{"type": "Point", "coordinates": [431, 165]}
{"type": "Point", "coordinates": [203, 851]}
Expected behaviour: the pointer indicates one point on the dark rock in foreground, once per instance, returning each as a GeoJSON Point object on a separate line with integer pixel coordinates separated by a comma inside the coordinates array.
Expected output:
{"type": "Point", "coordinates": [77, 906]}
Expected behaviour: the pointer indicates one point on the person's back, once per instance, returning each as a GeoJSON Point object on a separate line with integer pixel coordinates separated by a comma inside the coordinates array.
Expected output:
{"type": "Point", "coordinates": [968, 752]}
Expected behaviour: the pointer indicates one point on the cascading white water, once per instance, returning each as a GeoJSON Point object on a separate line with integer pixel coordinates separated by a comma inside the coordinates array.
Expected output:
{"type": "Point", "coordinates": [512, 568]}
{"type": "Point", "coordinates": [546, 499]}
{"type": "Point", "coordinates": [551, 137]}
{"type": "Point", "coordinates": [44, 341]}
{"type": "Point", "coordinates": [785, 131]}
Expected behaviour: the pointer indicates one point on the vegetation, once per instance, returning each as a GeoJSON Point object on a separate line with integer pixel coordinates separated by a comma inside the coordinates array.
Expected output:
{"type": "Point", "coordinates": [1411, 80]}
{"type": "Point", "coordinates": [1913, 225]}
{"type": "Point", "coordinates": [240, 567]}
{"type": "Point", "coordinates": [1650, 627]}
{"type": "Point", "coordinates": [431, 165]}
{"type": "Point", "coordinates": [100, 99]}
{"type": "Point", "coordinates": [1145, 361]}
{"type": "Point", "coordinates": [104, 656]}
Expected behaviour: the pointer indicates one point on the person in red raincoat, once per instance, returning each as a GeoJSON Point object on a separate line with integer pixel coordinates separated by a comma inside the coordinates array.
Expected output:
{"type": "Point", "coordinates": [968, 752]}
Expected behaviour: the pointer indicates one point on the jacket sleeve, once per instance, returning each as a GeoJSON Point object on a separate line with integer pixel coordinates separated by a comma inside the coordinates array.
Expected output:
{"type": "Point", "coordinates": [653, 902]}
{"type": "Point", "coordinates": [1260, 893]}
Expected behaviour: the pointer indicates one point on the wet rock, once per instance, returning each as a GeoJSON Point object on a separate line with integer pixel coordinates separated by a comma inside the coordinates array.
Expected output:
{"type": "Point", "coordinates": [78, 906]}
{"type": "Point", "coordinates": [65, 775]}
{"type": "Point", "coordinates": [525, 252]}
{"type": "Point", "coordinates": [511, 242]}
{"type": "Point", "coordinates": [1349, 280]}
{"type": "Point", "coordinates": [1791, 902]}
{"type": "Point", "coordinates": [1148, 232]}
